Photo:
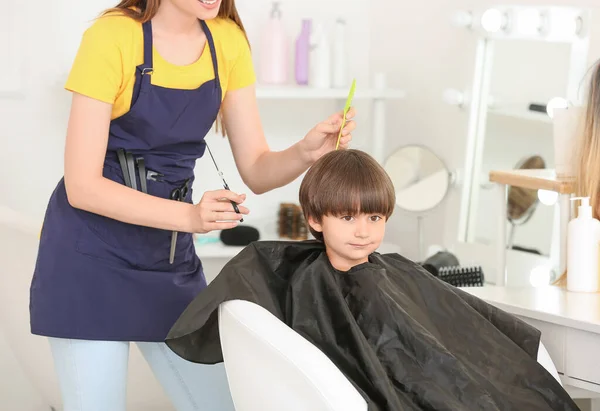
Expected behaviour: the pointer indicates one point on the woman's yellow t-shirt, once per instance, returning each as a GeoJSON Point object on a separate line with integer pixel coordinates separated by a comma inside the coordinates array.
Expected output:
{"type": "Point", "coordinates": [113, 46]}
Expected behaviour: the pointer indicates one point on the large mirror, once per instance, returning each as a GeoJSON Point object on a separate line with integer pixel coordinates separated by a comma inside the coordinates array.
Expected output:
{"type": "Point", "coordinates": [517, 137]}
{"type": "Point", "coordinates": [421, 180]}
{"type": "Point", "coordinates": [528, 60]}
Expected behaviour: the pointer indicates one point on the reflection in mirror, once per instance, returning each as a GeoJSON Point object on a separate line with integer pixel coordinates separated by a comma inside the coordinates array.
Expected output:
{"type": "Point", "coordinates": [421, 181]}
{"type": "Point", "coordinates": [522, 202]}
{"type": "Point", "coordinates": [522, 72]}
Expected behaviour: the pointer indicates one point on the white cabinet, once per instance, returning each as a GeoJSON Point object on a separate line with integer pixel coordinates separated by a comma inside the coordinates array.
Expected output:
{"type": "Point", "coordinates": [570, 327]}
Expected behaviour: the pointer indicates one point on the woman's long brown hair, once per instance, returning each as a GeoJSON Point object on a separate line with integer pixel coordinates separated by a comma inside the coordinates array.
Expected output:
{"type": "Point", "coordinates": [144, 10]}
{"type": "Point", "coordinates": [587, 153]}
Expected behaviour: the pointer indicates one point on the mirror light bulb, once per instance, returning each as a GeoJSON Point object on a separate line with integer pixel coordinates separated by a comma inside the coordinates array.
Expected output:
{"type": "Point", "coordinates": [540, 276]}
{"type": "Point", "coordinates": [565, 25]}
{"type": "Point", "coordinates": [554, 103]}
{"type": "Point", "coordinates": [546, 197]}
{"type": "Point", "coordinates": [493, 20]}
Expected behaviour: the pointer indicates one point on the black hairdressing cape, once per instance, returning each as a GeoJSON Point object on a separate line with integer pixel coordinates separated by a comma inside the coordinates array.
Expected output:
{"type": "Point", "coordinates": [406, 340]}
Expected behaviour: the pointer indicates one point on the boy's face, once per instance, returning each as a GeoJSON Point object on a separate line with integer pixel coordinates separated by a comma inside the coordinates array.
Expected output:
{"type": "Point", "coordinates": [349, 240]}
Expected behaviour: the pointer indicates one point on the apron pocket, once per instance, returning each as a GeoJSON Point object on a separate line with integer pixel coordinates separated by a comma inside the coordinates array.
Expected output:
{"type": "Point", "coordinates": [121, 244]}
{"type": "Point", "coordinates": [124, 235]}
{"type": "Point", "coordinates": [91, 245]}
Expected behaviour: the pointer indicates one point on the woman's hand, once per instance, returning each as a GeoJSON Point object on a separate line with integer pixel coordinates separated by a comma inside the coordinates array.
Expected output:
{"type": "Point", "coordinates": [323, 137]}
{"type": "Point", "coordinates": [215, 211]}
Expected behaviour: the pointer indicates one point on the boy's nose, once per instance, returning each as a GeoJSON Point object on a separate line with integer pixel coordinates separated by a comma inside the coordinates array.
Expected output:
{"type": "Point", "coordinates": [361, 230]}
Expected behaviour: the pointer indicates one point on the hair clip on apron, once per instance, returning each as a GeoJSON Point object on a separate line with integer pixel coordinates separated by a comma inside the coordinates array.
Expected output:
{"type": "Point", "coordinates": [178, 194]}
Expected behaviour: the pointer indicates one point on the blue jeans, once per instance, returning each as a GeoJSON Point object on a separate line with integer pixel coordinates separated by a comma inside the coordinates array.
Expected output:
{"type": "Point", "coordinates": [93, 376]}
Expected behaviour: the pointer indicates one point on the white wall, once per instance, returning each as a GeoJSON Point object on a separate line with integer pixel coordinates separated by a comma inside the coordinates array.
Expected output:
{"type": "Point", "coordinates": [16, 391]}
{"type": "Point", "coordinates": [416, 42]}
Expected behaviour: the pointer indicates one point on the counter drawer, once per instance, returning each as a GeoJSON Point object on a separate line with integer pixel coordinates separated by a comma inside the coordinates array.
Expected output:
{"type": "Point", "coordinates": [583, 355]}
{"type": "Point", "coordinates": [553, 338]}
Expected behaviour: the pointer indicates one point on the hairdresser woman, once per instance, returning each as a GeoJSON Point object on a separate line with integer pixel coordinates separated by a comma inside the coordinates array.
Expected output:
{"type": "Point", "coordinates": [149, 81]}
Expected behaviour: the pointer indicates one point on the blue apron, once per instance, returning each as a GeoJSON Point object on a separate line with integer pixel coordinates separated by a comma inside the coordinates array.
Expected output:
{"type": "Point", "coordinates": [97, 278]}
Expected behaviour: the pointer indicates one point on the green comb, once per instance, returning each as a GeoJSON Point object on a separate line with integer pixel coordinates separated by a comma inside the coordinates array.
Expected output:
{"type": "Point", "coordinates": [346, 108]}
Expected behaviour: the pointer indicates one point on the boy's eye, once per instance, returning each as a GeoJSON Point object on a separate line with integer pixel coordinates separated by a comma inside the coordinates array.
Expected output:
{"type": "Point", "coordinates": [375, 218]}
{"type": "Point", "coordinates": [347, 218]}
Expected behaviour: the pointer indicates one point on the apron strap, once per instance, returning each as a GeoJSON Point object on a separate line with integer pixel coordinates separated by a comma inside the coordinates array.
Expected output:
{"type": "Point", "coordinates": [142, 74]}
{"type": "Point", "coordinates": [213, 53]}
{"type": "Point", "coordinates": [147, 30]}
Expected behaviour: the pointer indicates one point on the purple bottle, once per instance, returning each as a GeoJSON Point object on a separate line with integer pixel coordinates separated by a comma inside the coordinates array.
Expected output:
{"type": "Point", "coordinates": [302, 53]}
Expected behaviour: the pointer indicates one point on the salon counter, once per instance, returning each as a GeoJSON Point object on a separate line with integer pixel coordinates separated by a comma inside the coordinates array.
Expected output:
{"type": "Point", "coordinates": [570, 326]}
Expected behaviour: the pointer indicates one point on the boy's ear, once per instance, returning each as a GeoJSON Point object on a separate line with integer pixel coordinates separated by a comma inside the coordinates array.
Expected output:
{"type": "Point", "coordinates": [315, 225]}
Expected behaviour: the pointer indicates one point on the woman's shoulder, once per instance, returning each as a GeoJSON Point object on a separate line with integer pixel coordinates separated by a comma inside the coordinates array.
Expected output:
{"type": "Point", "coordinates": [227, 32]}
{"type": "Point", "coordinates": [113, 26]}
{"type": "Point", "coordinates": [224, 25]}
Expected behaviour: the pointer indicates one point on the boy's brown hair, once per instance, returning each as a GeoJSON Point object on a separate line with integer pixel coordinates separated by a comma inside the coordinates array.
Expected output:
{"type": "Point", "coordinates": [346, 182]}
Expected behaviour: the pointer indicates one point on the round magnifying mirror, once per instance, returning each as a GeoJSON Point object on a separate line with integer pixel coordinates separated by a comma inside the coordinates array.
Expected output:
{"type": "Point", "coordinates": [420, 178]}
{"type": "Point", "coordinates": [522, 202]}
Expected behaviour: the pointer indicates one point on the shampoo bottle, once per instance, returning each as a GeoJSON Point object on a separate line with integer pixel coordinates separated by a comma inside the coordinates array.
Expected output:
{"type": "Point", "coordinates": [340, 55]}
{"type": "Point", "coordinates": [302, 53]}
{"type": "Point", "coordinates": [274, 52]}
{"type": "Point", "coordinates": [320, 59]}
{"type": "Point", "coordinates": [583, 240]}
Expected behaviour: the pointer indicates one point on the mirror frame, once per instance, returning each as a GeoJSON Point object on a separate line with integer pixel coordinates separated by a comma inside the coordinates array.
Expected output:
{"type": "Point", "coordinates": [479, 107]}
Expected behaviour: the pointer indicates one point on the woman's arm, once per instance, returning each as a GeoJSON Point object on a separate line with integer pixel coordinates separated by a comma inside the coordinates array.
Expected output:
{"type": "Point", "coordinates": [261, 169]}
{"type": "Point", "coordinates": [87, 189]}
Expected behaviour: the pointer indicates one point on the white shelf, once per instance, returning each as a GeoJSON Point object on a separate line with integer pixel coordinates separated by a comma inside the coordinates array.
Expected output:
{"type": "Point", "coordinates": [306, 92]}
{"type": "Point", "coordinates": [524, 114]}
{"type": "Point", "coordinates": [379, 93]}
{"type": "Point", "coordinates": [296, 92]}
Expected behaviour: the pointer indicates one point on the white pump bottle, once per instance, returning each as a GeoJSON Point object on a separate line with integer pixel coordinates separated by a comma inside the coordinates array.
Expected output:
{"type": "Point", "coordinates": [583, 250]}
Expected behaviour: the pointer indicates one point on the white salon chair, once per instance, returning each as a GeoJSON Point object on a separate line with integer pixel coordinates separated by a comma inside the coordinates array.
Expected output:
{"type": "Point", "coordinates": [270, 367]}
{"type": "Point", "coordinates": [18, 251]}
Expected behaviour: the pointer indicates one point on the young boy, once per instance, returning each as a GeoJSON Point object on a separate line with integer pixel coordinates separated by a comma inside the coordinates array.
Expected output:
{"type": "Point", "coordinates": [347, 198]}
{"type": "Point", "coordinates": [403, 338]}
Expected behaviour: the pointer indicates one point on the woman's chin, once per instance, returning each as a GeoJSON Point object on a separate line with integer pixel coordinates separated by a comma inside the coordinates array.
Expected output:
{"type": "Point", "coordinates": [208, 10]}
